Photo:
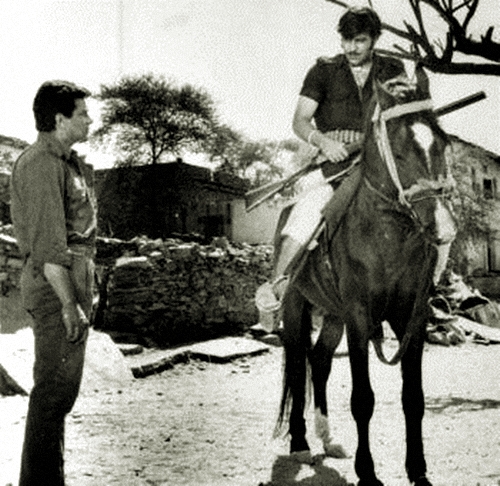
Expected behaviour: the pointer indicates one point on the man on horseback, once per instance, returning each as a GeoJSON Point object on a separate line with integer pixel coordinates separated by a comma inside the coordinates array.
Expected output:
{"type": "Point", "coordinates": [329, 115]}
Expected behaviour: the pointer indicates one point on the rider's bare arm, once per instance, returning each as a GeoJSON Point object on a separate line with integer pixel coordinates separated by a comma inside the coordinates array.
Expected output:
{"type": "Point", "coordinates": [304, 128]}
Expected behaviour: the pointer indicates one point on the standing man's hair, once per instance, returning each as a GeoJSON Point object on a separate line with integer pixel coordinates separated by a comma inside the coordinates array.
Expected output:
{"type": "Point", "coordinates": [360, 21]}
{"type": "Point", "coordinates": [55, 97]}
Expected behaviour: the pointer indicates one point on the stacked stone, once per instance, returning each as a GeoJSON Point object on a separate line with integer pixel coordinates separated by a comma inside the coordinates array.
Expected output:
{"type": "Point", "coordinates": [10, 260]}
{"type": "Point", "coordinates": [166, 292]}
{"type": "Point", "coordinates": [170, 291]}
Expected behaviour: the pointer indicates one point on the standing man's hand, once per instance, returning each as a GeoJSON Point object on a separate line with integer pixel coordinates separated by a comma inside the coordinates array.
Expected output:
{"type": "Point", "coordinates": [74, 319]}
{"type": "Point", "coordinates": [76, 323]}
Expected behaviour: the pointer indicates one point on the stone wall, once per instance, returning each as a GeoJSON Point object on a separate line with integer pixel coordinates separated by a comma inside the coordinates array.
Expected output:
{"type": "Point", "coordinates": [166, 292]}
{"type": "Point", "coordinates": [10, 260]}
{"type": "Point", "coordinates": [170, 292]}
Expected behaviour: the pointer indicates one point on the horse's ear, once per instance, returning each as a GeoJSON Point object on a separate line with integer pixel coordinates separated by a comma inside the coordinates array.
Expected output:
{"type": "Point", "coordinates": [422, 81]}
{"type": "Point", "coordinates": [383, 95]}
{"type": "Point", "coordinates": [398, 89]}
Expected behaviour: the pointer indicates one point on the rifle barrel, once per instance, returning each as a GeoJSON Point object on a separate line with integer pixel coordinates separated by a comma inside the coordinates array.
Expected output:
{"type": "Point", "coordinates": [461, 103]}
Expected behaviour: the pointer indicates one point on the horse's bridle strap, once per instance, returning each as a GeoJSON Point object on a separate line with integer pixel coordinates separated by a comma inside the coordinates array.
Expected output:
{"type": "Point", "coordinates": [379, 118]}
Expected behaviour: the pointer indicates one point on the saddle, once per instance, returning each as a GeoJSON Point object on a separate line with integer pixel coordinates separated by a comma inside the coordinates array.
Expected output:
{"type": "Point", "coordinates": [345, 183]}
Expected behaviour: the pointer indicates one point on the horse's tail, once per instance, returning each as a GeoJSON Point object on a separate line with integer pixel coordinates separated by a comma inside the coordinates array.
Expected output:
{"type": "Point", "coordinates": [403, 346]}
{"type": "Point", "coordinates": [296, 376]}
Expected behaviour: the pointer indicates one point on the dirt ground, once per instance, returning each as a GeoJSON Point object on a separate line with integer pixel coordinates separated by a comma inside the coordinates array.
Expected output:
{"type": "Point", "coordinates": [208, 424]}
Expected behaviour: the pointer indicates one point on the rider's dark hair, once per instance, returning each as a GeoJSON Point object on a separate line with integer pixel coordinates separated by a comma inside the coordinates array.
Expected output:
{"type": "Point", "coordinates": [55, 97]}
{"type": "Point", "coordinates": [360, 21]}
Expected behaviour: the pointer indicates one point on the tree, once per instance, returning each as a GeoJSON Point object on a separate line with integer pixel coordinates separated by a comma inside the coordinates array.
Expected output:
{"type": "Point", "coordinates": [257, 161]}
{"type": "Point", "coordinates": [146, 117]}
{"type": "Point", "coordinates": [437, 55]}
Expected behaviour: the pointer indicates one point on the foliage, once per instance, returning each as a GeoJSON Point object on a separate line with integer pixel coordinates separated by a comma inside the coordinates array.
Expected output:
{"type": "Point", "coordinates": [258, 161]}
{"type": "Point", "coordinates": [455, 18]}
{"type": "Point", "coordinates": [146, 117]}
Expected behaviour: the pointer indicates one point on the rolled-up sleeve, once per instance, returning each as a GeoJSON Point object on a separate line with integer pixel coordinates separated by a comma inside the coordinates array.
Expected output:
{"type": "Point", "coordinates": [313, 85]}
{"type": "Point", "coordinates": [41, 187]}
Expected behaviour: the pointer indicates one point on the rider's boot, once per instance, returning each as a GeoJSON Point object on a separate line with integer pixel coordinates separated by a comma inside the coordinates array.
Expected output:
{"type": "Point", "coordinates": [269, 295]}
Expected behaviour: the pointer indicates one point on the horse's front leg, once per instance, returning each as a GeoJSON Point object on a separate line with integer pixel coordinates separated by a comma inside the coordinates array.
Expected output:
{"type": "Point", "coordinates": [413, 407]}
{"type": "Point", "coordinates": [362, 397]}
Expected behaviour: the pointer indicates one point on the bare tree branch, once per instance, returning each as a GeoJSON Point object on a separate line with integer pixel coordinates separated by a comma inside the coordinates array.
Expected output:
{"type": "Point", "coordinates": [436, 56]}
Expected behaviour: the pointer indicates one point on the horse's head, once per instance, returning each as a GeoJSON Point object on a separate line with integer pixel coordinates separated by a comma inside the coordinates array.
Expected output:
{"type": "Point", "coordinates": [407, 153]}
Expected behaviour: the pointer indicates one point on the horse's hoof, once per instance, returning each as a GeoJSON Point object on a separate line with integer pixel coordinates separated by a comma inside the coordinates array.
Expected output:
{"type": "Point", "coordinates": [422, 481]}
{"type": "Point", "coordinates": [370, 482]}
{"type": "Point", "coordinates": [336, 451]}
{"type": "Point", "coordinates": [304, 457]}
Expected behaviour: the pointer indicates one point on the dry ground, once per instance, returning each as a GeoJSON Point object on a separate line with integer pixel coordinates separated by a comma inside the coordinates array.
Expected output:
{"type": "Point", "coordinates": [206, 424]}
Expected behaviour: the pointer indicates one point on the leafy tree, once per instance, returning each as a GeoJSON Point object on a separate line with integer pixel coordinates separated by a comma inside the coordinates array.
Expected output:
{"type": "Point", "coordinates": [146, 117]}
{"type": "Point", "coordinates": [257, 161]}
{"type": "Point", "coordinates": [437, 54]}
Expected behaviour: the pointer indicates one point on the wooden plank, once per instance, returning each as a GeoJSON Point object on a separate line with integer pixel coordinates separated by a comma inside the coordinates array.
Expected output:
{"type": "Point", "coordinates": [226, 349]}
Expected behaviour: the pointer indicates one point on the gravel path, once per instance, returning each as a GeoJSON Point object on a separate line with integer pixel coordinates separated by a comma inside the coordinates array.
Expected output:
{"type": "Point", "coordinates": [206, 424]}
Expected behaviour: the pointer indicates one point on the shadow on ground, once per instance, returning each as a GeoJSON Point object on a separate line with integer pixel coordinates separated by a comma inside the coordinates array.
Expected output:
{"type": "Point", "coordinates": [459, 404]}
{"type": "Point", "coordinates": [287, 471]}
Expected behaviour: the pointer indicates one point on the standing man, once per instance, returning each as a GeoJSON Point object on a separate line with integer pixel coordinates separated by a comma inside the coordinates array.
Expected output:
{"type": "Point", "coordinates": [330, 113]}
{"type": "Point", "coordinates": [53, 209]}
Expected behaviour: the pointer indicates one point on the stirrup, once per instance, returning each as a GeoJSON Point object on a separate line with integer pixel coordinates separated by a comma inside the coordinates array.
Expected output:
{"type": "Point", "coordinates": [276, 286]}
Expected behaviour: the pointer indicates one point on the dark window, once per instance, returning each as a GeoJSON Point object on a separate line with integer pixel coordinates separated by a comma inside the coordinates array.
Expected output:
{"type": "Point", "coordinates": [488, 189]}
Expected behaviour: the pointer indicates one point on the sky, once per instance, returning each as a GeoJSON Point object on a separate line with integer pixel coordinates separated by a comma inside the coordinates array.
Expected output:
{"type": "Point", "coordinates": [251, 56]}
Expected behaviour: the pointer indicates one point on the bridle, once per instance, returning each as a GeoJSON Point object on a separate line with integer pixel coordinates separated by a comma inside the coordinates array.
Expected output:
{"type": "Point", "coordinates": [423, 188]}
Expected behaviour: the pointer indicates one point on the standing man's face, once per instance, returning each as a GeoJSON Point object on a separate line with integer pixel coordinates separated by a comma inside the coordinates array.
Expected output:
{"type": "Point", "coordinates": [358, 50]}
{"type": "Point", "coordinates": [77, 126]}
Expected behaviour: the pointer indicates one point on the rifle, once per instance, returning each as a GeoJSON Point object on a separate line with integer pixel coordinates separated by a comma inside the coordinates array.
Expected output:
{"type": "Point", "coordinates": [255, 197]}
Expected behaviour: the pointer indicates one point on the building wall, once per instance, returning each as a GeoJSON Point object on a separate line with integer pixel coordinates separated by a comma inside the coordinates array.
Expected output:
{"type": "Point", "coordinates": [480, 175]}
{"type": "Point", "coordinates": [258, 225]}
{"type": "Point", "coordinates": [167, 200]}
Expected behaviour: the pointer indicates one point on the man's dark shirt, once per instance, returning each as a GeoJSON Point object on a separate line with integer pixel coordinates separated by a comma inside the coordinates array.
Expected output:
{"type": "Point", "coordinates": [53, 205]}
{"type": "Point", "coordinates": [341, 104]}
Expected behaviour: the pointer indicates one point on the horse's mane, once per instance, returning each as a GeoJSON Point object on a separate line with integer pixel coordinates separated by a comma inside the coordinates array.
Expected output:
{"type": "Point", "coordinates": [407, 93]}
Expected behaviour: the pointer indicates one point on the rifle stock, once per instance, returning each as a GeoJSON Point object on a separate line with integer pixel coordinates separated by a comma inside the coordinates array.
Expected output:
{"type": "Point", "coordinates": [255, 197]}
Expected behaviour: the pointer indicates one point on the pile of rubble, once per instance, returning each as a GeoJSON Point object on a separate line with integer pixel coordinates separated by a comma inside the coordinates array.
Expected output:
{"type": "Point", "coordinates": [462, 314]}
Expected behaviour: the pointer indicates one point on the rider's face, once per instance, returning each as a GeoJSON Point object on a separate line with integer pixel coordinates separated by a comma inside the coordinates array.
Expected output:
{"type": "Point", "coordinates": [358, 50]}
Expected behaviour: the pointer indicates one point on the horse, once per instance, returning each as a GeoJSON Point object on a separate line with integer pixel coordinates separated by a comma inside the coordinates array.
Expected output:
{"type": "Point", "coordinates": [378, 263]}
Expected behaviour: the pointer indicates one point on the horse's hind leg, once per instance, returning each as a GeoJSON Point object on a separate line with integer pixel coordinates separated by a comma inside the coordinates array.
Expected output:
{"type": "Point", "coordinates": [296, 342]}
{"type": "Point", "coordinates": [413, 407]}
{"type": "Point", "coordinates": [320, 358]}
